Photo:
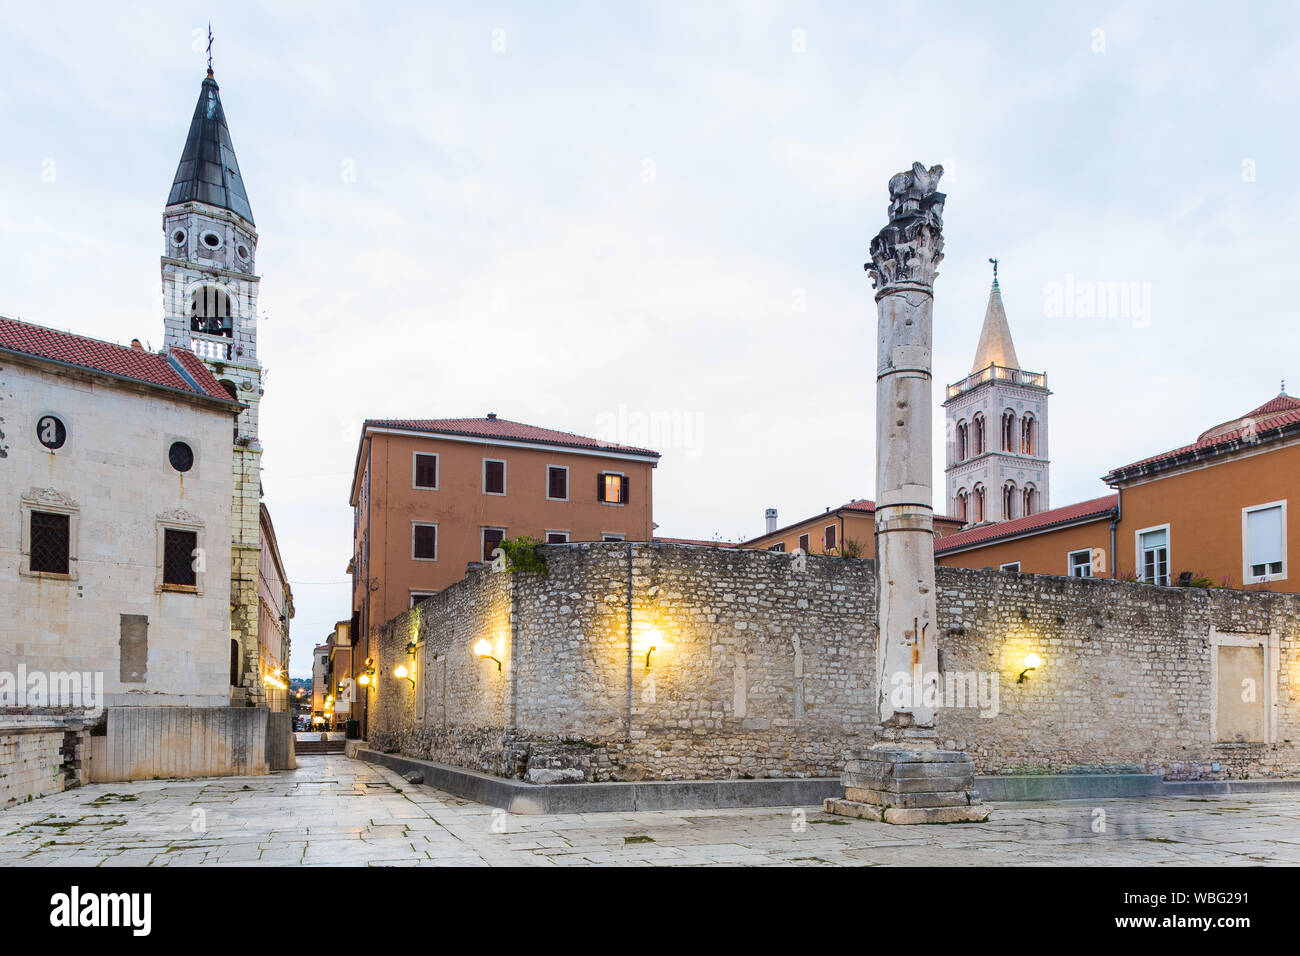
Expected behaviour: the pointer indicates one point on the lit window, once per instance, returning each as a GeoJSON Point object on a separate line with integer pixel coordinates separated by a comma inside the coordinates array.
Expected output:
{"type": "Point", "coordinates": [611, 489]}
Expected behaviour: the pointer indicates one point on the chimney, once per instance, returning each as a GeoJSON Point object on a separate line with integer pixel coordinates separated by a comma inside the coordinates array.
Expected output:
{"type": "Point", "coordinates": [492, 416]}
{"type": "Point", "coordinates": [770, 516]}
{"type": "Point", "coordinates": [135, 344]}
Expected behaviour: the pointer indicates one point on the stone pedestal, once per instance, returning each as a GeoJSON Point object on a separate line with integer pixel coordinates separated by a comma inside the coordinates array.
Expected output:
{"type": "Point", "coordinates": [900, 785]}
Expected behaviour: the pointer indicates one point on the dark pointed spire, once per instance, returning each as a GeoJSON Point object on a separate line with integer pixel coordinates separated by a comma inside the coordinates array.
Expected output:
{"type": "Point", "coordinates": [208, 171]}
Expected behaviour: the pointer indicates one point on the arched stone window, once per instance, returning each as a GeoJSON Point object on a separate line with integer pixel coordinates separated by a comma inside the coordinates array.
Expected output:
{"type": "Point", "coordinates": [1031, 500]}
{"type": "Point", "coordinates": [1028, 435]}
{"type": "Point", "coordinates": [1008, 430]}
{"type": "Point", "coordinates": [210, 312]}
{"type": "Point", "coordinates": [962, 506]}
{"type": "Point", "coordinates": [963, 441]}
{"type": "Point", "coordinates": [1009, 501]}
{"type": "Point", "coordinates": [978, 434]}
{"type": "Point", "coordinates": [977, 504]}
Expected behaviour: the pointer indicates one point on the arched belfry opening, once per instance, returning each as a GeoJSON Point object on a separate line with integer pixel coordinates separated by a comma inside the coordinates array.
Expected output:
{"type": "Point", "coordinates": [210, 312]}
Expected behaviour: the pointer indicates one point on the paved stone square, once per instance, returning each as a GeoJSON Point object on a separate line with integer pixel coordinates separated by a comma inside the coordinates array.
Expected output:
{"type": "Point", "coordinates": [337, 811]}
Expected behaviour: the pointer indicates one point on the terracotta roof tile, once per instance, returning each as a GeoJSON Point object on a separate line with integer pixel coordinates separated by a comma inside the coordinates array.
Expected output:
{"type": "Point", "coordinates": [1253, 423]}
{"type": "Point", "coordinates": [984, 534]}
{"type": "Point", "coordinates": [152, 368]}
{"type": "Point", "coordinates": [500, 428]}
{"type": "Point", "coordinates": [700, 542]}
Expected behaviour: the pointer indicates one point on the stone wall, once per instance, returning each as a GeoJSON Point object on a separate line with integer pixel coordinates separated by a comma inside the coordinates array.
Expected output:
{"type": "Point", "coordinates": [761, 664]}
{"type": "Point", "coordinates": [39, 757]}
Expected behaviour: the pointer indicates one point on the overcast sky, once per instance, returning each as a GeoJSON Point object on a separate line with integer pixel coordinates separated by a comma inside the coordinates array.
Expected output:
{"type": "Point", "coordinates": [591, 214]}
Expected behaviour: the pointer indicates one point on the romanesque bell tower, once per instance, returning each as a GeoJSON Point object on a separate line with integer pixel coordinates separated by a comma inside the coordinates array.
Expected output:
{"type": "Point", "coordinates": [997, 429]}
{"type": "Point", "coordinates": [210, 306]}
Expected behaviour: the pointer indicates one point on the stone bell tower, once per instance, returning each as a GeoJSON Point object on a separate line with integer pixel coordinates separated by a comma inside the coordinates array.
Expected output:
{"type": "Point", "coordinates": [210, 307]}
{"type": "Point", "coordinates": [904, 777]}
{"type": "Point", "coordinates": [998, 465]}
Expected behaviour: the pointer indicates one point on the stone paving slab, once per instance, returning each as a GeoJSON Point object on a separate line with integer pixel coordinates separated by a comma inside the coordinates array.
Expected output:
{"type": "Point", "coordinates": [334, 811]}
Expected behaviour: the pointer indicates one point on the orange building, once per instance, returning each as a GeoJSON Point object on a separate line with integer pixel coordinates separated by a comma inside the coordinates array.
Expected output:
{"type": "Point", "coordinates": [849, 529]}
{"type": "Point", "coordinates": [432, 496]}
{"type": "Point", "coordinates": [1215, 511]}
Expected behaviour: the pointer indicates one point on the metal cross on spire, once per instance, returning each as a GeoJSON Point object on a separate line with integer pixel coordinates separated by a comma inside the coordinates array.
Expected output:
{"type": "Point", "coordinates": [209, 48]}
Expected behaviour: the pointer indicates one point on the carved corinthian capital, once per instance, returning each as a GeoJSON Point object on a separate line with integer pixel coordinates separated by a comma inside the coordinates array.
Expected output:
{"type": "Point", "coordinates": [908, 250]}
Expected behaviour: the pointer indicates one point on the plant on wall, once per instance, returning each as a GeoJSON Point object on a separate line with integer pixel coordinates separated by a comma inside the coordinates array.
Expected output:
{"type": "Point", "coordinates": [524, 554]}
{"type": "Point", "coordinates": [850, 548]}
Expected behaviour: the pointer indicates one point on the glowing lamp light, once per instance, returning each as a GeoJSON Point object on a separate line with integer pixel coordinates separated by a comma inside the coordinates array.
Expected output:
{"type": "Point", "coordinates": [364, 680]}
{"type": "Point", "coordinates": [1032, 662]}
{"type": "Point", "coordinates": [484, 650]}
{"type": "Point", "coordinates": [400, 670]}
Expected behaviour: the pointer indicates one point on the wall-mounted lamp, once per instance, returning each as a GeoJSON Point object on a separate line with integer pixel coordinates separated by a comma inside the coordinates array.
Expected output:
{"type": "Point", "coordinates": [651, 645]}
{"type": "Point", "coordinates": [403, 673]}
{"type": "Point", "coordinates": [1032, 661]}
{"type": "Point", "coordinates": [410, 649]}
{"type": "Point", "coordinates": [484, 649]}
{"type": "Point", "coordinates": [367, 676]}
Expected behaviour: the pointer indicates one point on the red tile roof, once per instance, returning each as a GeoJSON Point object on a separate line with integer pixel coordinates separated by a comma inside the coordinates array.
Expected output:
{"type": "Point", "coordinates": [984, 534]}
{"type": "Point", "coordinates": [1278, 413]}
{"type": "Point", "coordinates": [499, 428]}
{"type": "Point", "coordinates": [138, 365]}
{"type": "Point", "coordinates": [697, 541]}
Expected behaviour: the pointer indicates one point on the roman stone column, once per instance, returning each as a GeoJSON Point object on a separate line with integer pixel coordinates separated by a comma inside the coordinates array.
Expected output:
{"type": "Point", "coordinates": [904, 777]}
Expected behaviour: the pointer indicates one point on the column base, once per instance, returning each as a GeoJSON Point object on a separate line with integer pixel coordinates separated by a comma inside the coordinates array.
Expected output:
{"type": "Point", "coordinates": [892, 784]}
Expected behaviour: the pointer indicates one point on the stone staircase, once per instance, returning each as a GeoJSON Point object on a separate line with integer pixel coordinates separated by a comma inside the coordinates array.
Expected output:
{"type": "Point", "coordinates": [307, 748]}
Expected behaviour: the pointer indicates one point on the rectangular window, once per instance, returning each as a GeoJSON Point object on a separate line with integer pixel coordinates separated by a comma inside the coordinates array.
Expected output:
{"type": "Point", "coordinates": [611, 536]}
{"type": "Point", "coordinates": [494, 477]}
{"type": "Point", "coordinates": [1153, 556]}
{"type": "Point", "coordinates": [1010, 566]}
{"type": "Point", "coordinates": [611, 488]}
{"type": "Point", "coordinates": [1080, 564]}
{"type": "Point", "coordinates": [1263, 543]}
{"type": "Point", "coordinates": [492, 538]}
{"type": "Point", "coordinates": [557, 483]}
{"type": "Point", "coordinates": [419, 596]}
{"type": "Point", "coordinates": [178, 557]}
{"type": "Point", "coordinates": [424, 542]}
{"type": "Point", "coordinates": [426, 471]}
{"type": "Point", "coordinates": [557, 537]}
{"type": "Point", "coordinates": [828, 537]}
{"type": "Point", "coordinates": [50, 541]}
{"type": "Point", "coordinates": [803, 543]}
{"type": "Point", "coordinates": [779, 546]}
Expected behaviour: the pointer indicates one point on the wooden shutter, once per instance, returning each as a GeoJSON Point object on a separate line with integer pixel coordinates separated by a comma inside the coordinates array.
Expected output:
{"type": "Point", "coordinates": [622, 497]}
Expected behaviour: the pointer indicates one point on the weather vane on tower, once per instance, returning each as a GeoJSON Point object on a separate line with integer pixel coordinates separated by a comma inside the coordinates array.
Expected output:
{"type": "Point", "coordinates": [995, 269]}
{"type": "Point", "coordinates": [209, 48]}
